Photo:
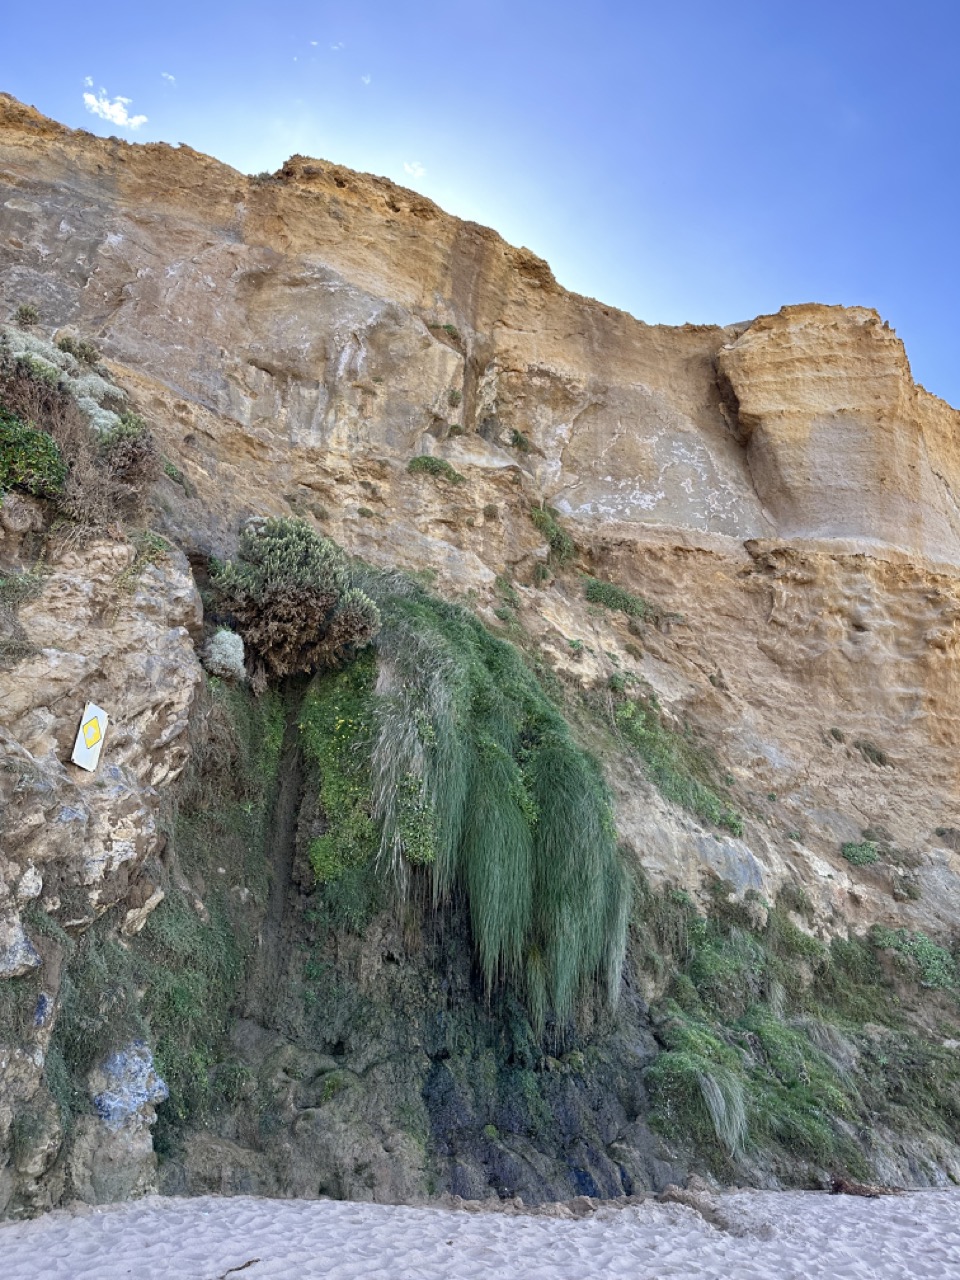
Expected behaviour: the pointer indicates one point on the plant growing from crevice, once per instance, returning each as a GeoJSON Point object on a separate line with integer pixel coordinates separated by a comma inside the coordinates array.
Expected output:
{"type": "Point", "coordinates": [17, 589]}
{"type": "Point", "coordinates": [860, 853]}
{"type": "Point", "coordinates": [616, 598]}
{"type": "Point", "coordinates": [562, 547]}
{"type": "Point", "coordinates": [451, 331]}
{"type": "Point", "coordinates": [290, 596]}
{"type": "Point", "coordinates": [763, 1042]}
{"type": "Point", "coordinates": [438, 468]}
{"type": "Point", "coordinates": [872, 753]}
{"type": "Point", "coordinates": [149, 548]}
{"type": "Point", "coordinates": [80, 348]}
{"type": "Point", "coordinates": [679, 768]}
{"type": "Point", "coordinates": [132, 458]}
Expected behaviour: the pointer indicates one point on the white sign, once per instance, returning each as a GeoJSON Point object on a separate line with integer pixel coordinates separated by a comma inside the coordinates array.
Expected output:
{"type": "Point", "coordinates": [93, 729]}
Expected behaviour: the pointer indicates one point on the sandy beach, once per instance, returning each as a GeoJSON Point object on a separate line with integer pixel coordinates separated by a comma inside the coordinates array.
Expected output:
{"type": "Point", "coordinates": [742, 1234]}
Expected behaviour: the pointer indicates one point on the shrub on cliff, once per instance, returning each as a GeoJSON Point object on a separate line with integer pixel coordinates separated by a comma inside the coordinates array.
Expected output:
{"type": "Point", "coordinates": [438, 468]}
{"type": "Point", "coordinates": [129, 453]}
{"type": "Point", "coordinates": [290, 595]}
{"type": "Point", "coordinates": [562, 546]}
{"type": "Point", "coordinates": [29, 459]}
{"type": "Point", "coordinates": [103, 476]}
{"type": "Point", "coordinates": [80, 349]}
{"type": "Point", "coordinates": [27, 315]}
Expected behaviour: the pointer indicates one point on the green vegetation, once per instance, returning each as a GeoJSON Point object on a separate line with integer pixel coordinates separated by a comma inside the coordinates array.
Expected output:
{"type": "Point", "coordinates": [190, 960]}
{"type": "Point", "coordinates": [475, 774]}
{"type": "Point", "coordinates": [454, 397]}
{"type": "Point", "coordinates": [763, 1037]}
{"type": "Point", "coordinates": [149, 549]}
{"type": "Point", "coordinates": [451, 330]}
{"type": "Point", "coordinates": [27, 315]}
{"type": "Point", "coordinates": [173, 472]}
{"type": "Point", "coordinates": [861, 854]}
{"type": "Point", "coordinates": [29, 459]}
{"type": "Point", "coordinates": [335, 724]}
{"type": "Point", "coordinates": [935, 965]}
{"type": "Point", "coordinates": [438, 468]}
{"type": "Point", "coordinates": [291, 598]}
{"type": "Point", "coordinates": [80, 349]}
{"type": "Point", "coordinates": [562, 546]}
{"type": "Point", "coordinates": [614, 597]}
{"type": "Point", "coordinates": [99, 1012]}
{"type": "Point", "coordinates": [507, 592]}
{"type": "Point", "coordinates": [679, 768]}
{"type": "Point", "coordinates": [48, 445]}
{"type": "Point", "coordinates": [191, 967]}
{"type": "Point", "coordinates": [520, 441]}
{"type": "Point", "coordinates": [16, 588]}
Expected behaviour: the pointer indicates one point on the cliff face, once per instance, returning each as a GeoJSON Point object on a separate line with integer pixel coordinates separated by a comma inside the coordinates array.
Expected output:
{"type": "Point", "coordinates": [781, 491]}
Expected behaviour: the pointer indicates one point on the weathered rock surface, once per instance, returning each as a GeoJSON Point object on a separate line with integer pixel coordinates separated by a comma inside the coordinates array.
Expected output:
{"type": "Point", "coordinates": [74, 844]}
{"type": "Point", "coordinates": [782, 488]}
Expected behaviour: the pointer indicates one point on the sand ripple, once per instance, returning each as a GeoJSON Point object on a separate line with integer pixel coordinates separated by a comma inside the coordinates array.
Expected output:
{"type": "Point", "coordinates": [766, 1235]}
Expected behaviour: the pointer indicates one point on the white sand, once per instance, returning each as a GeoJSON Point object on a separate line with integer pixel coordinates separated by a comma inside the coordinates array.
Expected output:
{"type": "Point", "coordinates": [768, 1235]}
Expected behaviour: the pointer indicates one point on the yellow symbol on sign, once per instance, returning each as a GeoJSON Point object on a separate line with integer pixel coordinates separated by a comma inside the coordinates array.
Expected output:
{"type": "Point", "coordinates": [91, 732]}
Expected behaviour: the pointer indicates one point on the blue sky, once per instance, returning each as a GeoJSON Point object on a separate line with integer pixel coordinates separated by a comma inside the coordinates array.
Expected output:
{"type": "Point", "coordinates": [686, 161]}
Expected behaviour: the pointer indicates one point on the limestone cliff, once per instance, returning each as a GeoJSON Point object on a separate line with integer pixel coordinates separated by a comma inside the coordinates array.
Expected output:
{"type": "Point", "coordinates": [781, 491]}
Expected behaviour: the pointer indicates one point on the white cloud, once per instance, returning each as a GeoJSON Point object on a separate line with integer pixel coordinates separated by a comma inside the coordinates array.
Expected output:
{"type": "Point", "coordinates": [414, 168]}
{"type": "Point", "coordinates": [168, 77]}
{"type": "Point", "coordinates": [88, 82]}
{"type": "Point", "coordinates": [115, 111]}
{"type": "Point", "coordinates": [339, 45]}
{"type": "Point", "coordinates": [365, 79]}
{"type": "Point", "coordinates": [314, 43]}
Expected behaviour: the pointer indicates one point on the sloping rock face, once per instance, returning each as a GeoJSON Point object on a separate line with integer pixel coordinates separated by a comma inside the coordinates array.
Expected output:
{"type": "Point", "coordinates": [782, 491]}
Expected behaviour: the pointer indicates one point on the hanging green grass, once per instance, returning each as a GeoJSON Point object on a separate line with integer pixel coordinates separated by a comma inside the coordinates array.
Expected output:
{"type": "Point", "coordinates": [508, 809]}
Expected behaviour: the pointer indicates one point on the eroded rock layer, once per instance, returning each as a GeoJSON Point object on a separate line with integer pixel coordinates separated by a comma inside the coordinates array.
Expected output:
{"type": "Point", "coordinates": [781, 491]}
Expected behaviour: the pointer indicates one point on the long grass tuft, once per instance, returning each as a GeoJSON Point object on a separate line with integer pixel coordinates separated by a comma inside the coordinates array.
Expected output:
{"type": "Point", "coordinates": [475, 775]}
{"type": "Point", "coordinates": [725, 1099]}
